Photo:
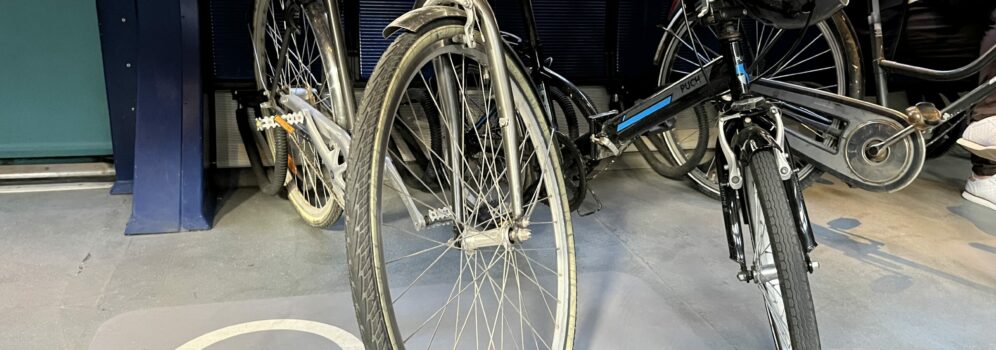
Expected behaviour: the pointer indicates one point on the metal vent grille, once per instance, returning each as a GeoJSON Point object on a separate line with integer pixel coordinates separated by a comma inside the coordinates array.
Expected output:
{"type": "Point", "coordinates": [231, 46]}
{"type": "Point", "coordinates": [228, 151]}
{"type": "Point", "coordinates": [572, 31]}
{"type": "Point", "coordinates": [374, 16]}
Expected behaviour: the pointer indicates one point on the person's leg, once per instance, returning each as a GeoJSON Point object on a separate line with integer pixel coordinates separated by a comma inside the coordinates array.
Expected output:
{"type": "Point", "coordinates": [987, 108]}
{"type": "Point", "coordinates": [981, 188]}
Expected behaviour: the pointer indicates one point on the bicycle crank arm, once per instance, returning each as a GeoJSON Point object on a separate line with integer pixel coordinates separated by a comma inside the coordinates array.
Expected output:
{"type": "Point", "coordinates": [321, 128]}
{"type": "Point", "coordinates": [852, 157]}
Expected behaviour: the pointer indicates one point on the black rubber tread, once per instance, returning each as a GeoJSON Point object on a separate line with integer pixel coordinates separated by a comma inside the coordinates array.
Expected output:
{"type": "Point", "coordinates": [790, 260]}
{"type": "Point", "coordinates": [567, 106]}
{"type": "Point", "coordinates": [359, 182]}
{"type": "Point", "coordinates": [270, 182]}
{"type": "Point", "coordinates": [363, 177]}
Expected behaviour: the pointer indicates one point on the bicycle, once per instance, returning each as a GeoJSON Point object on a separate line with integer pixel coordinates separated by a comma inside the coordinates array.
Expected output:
{"type": "Point", "coordinates": [479, 200]}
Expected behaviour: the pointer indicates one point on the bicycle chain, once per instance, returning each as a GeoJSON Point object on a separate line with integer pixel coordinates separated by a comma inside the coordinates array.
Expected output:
{"type": "Point", "coordinates": [271, 122]}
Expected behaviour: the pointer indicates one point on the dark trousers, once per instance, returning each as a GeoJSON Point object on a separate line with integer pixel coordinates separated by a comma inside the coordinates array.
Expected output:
{"type": "Point", "coordinates": [986, 108]}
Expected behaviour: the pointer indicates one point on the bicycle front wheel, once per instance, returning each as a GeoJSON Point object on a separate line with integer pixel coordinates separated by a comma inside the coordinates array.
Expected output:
{"type": "Point", "coordinates": [779, 268]}
{"type": "Point", "coordinates": [475, 275]}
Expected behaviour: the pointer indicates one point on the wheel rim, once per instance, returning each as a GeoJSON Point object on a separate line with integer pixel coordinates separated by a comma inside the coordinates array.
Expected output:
{"type": "Point", "coordinates": [476, 304]}
{"type": "Point", "coordinates": [827, 67]}
{"type": "Point", "coordinates": [764, 270]}
{"type": "Point", "coordinates": [315, 174]}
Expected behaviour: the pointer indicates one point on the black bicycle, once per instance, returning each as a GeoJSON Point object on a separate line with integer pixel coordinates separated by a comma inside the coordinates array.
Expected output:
{"type": "Point", "coordinates": [487, 257]}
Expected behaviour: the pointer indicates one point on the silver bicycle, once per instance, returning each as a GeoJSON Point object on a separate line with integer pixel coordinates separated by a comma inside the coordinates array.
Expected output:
{"type": "Point", "coordinates": [305, 107]}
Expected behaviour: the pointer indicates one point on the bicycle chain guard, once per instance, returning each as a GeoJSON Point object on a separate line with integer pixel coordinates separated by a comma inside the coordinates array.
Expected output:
{"type": "Point", "coordinates": [866, 124]}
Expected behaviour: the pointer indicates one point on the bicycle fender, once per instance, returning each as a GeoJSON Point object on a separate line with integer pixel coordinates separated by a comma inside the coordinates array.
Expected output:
{"type": "Point", "coordinates": [415, 19]}
{"type": "Point", "coordinates": [668, 32]}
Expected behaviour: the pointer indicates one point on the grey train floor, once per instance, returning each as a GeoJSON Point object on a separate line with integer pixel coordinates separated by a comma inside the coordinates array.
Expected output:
{"type": "Point", "coordinates": [914, 269]}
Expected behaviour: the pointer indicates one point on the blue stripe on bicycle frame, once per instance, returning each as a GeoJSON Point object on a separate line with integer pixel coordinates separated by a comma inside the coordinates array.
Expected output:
{"type": "Point", "coordinates": [626, 123]}
{"type": "Point", "coordinates": [741, 70]}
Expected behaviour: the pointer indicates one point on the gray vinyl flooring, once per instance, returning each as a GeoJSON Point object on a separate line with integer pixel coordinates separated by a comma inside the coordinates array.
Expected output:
{"type": "Point", "coordinates": [913, 269]}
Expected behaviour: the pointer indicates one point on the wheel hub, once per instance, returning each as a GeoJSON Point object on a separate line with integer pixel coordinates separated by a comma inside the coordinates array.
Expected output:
{"type": "Point", "coordinates": [472, 239]}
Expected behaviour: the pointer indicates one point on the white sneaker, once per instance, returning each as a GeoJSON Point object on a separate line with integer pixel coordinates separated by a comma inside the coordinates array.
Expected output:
{"type": "Point", "coordinates": [981, 191]}
{"type": "Point", "coordinates": [980, 138]}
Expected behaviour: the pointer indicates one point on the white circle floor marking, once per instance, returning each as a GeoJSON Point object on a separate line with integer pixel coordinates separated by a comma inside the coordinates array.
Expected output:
{"type": "Point", "coordinates": [340, 337]}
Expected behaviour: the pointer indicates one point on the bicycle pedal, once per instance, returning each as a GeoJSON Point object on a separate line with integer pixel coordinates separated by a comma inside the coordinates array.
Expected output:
{"type": "Point", "coordinates": [924, 115]}
{"type": "Point", "coordinates": [285, 121]}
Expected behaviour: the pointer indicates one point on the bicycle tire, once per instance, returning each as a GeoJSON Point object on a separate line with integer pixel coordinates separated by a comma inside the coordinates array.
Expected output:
{"type": "Point", "coordinates": [367, 268]}
{"type": "Point", "coordinates": [789, 258]}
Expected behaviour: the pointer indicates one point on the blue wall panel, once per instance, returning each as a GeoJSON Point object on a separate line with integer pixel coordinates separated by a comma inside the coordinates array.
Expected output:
{"type": "Point", "coordinates": [169, 188]}
{"type": "Point", "coordinates": [119, 46]}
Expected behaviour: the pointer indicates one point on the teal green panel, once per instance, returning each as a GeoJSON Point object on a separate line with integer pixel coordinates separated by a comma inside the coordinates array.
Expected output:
{"type": "Point", "coordinates": [51, 80]}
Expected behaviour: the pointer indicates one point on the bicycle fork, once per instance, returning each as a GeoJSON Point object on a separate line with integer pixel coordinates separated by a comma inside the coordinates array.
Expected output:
{"type": "Point", "coordinates": [479, 13]}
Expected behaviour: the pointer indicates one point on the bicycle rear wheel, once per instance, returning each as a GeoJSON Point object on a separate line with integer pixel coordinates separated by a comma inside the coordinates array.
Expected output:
{"type": "Point", "coordinates": [778, 268]}
{"type": "Point", "coordinates": [294, 61]}
{"type": "Point", "coordinates": [821, 61]}
{"type": "Point", "coordinates": [475, 276]}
